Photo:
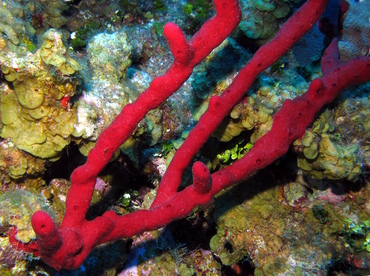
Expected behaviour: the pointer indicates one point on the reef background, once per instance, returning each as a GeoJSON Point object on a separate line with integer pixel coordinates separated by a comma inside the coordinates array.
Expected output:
{"type": "Point", "coordinates": [68, 68]}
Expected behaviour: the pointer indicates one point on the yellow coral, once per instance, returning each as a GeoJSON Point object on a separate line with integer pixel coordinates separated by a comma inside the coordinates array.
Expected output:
{"type": "Point", "coordinates": [32, 114]}
{"type": "Point", "coordinates": [53, 52]}
{"type": "Point", "coordinates": [333, 161]}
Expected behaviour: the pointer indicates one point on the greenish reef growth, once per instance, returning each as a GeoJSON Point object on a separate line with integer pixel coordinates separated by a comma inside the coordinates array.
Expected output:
{"type": "Point", "coordinates": [251, 115]}
{"type": "Point", "coordinates": [104, 64]}
{"type": "Point", "coordinates": [230, 155]}
{"type": "Point", "coordinates": [308, 236]}
{"type": "Point", "coordinates": [80, 38]}
{"type": "Point", "coordinates": [357, 234]}
{"type": "Point", "coordinates": [243, 229]}
{"type": "Point", "coordinates": [16, 210]}
{"type": "Point", "coordinates": [11, 25]}
{"type": "Point", "coordinates": [261, 18]}
{"type": "Point", "coordinates": [159, 6]}
{"type": "Point", "coordinates": [36, 115]}
{"type": "Point", "coordinates": [22, 21]}
{"type": "Point", "coordinates": [197, 11]}
{"type": "Point", "coordinates": [299, 227]}
{"type": "Point", "coordinates": [53, 12]}
{"type": "Point", "coordinates": [324, 156]}
{"type": "Point", "coordinates": [320, 213]}
{"type": "Point", "coordinates": [164, 263]}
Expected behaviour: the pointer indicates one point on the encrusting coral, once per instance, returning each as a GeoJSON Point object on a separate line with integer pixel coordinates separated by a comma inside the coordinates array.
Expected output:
{"type": "Point", "coordinates": [54, 52]}
{"type": "Point", "coordinates": [329, 149]}
{"type": "Point", "coordinates": [260, 17]}
{"type": "Point", "coordinates": [15, 163]}
{"type": "Point", "coordinates": [36, 115]}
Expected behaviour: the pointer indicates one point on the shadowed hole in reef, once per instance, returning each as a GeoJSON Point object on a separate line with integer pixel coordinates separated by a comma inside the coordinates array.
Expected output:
{"type": "Point", "coordinates": [342, 267]}
{"type": "Point", "coordinates": [123, 175]}
{"type": "Point", "coordinates": [229, 247]}
{"type": "Point", "coordinates": [199, 223]}
{"type": "Point", "coordinates": [244, 267]}
{"type": "Point", "coordinates": [62, 168]}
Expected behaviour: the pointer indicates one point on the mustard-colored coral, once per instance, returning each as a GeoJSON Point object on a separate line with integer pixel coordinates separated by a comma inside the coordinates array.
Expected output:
{"type": "Point", "coordinates": [15, 164]}
{"type": "Point", "coordinates": [15, 28]}
{"type": "Point", "coordinates": [32, 114]}
{"type": "Point", "coordinates": [54, 52]}
{"type": "Point", "coordinates": [332, 160]}
{"type": "Point", "coordinates": [323, 156]}
{"type": "Point", "coordinates": [246, 116]}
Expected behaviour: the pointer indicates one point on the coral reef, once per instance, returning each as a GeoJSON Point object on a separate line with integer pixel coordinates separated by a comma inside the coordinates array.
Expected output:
{"type": "Point", "coordinates": [306, 213]}
{"type": "Point", "coordinates": [109, 56]}
{"type": "Point", "coordinates": [333, 147]}
{"type": "Point", "coordinates": [52, 13]}
{"type": "Point", "coordinates": [156, 253]}
{"type": "Point", "coordinates": [21, 21]}
{"type": "Point", "coordinates": [112, 85]}
{"type": "Point", "coordinates": [170, 204]}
